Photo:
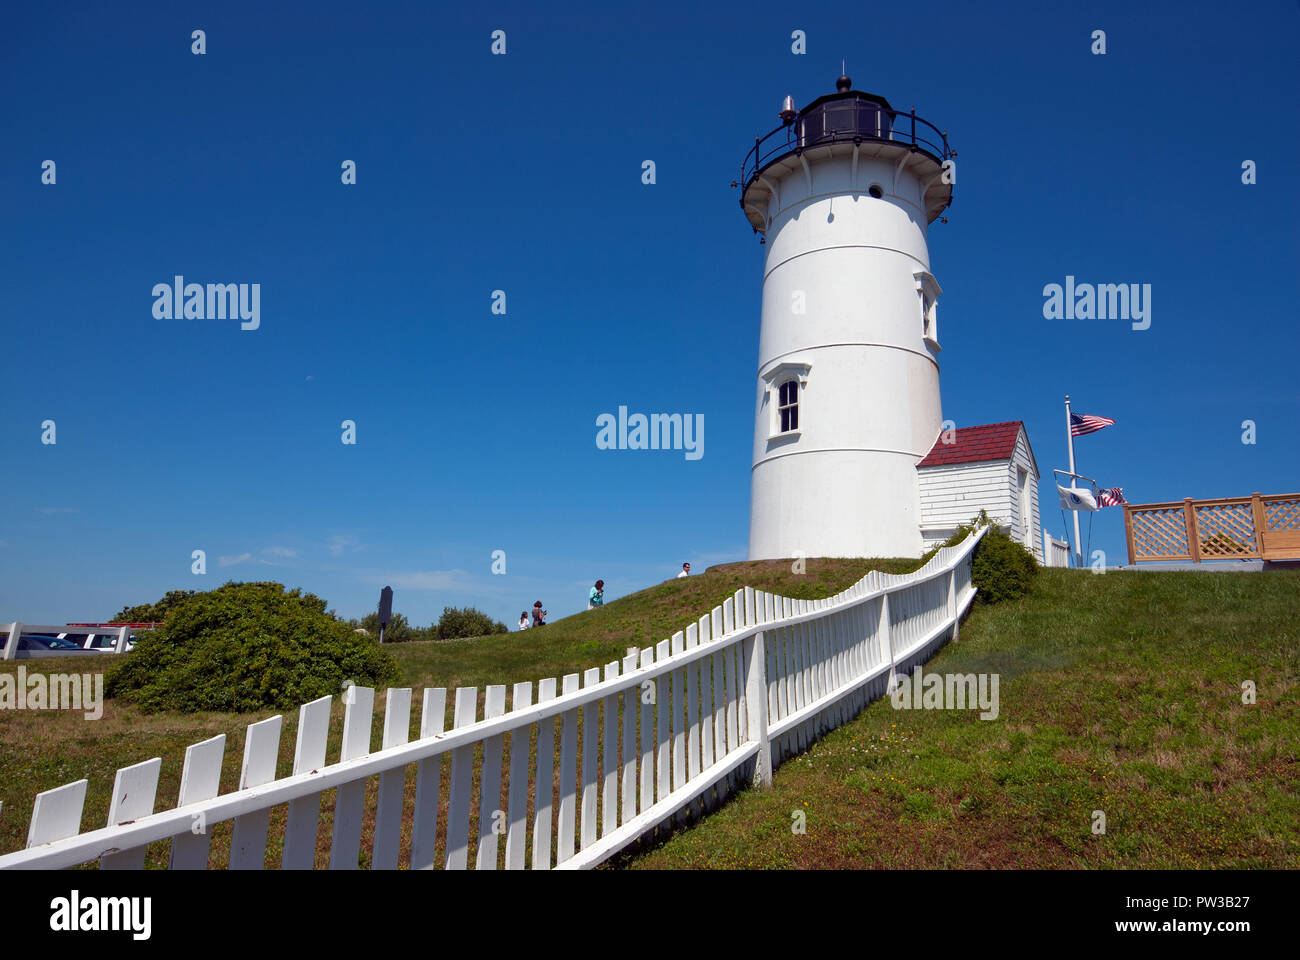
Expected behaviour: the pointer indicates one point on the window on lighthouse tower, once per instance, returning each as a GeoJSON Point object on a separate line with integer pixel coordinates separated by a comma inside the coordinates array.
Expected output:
{"type": "Point", "coordinates": [781, 387]}
{"type": "Point", "coordinates": [928, 291]}
{"type": "Point", "coordinates": [787, 407]}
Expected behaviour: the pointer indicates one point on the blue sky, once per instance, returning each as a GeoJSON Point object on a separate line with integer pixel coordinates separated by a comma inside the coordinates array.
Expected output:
{"type": "Point", "coordinates": [523, 173]}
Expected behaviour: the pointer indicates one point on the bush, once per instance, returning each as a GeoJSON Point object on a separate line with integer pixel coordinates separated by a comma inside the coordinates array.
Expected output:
{"type": "Point", "coordinates": [152, 612]}
{"type": "Point", "coordinates": [247, 646]}
{"type": "Point", "coordinates": [1001, 568]}
{"type": "Point", "coordinates": [468, 622]}
{"type": "Point", "coordinates": [397, 631]}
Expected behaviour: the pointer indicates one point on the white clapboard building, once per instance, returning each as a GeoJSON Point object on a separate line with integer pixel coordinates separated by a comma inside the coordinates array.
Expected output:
{"type": "Point", "coordinates": [989, 467]}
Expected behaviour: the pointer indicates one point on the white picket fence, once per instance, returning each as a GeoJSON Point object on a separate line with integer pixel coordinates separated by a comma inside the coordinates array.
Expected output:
{"type": "Point", "coordinates": [719, 704]}
{"type": "Point", "coordinates": [1056, 553]}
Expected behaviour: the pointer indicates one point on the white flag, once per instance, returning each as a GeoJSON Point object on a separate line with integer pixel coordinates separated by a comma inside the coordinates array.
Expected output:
{"type": "Point", "coordinates": [1074, 498]}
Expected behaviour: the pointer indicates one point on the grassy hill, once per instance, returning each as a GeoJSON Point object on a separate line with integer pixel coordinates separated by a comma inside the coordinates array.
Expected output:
{"type": "Point", "coordinates": [595, 637]}
{"type": "Point", "coordinates": [1118, 692]}
{"type": "Point", "coordinates": [40, 750]}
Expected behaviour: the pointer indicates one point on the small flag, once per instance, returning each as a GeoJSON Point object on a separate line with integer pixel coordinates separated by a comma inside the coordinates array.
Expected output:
{"type": "Point", "coordinates": [1111, 498]}
{"type": "Point", "coordinates": [1079, 425]}
{"type": "Point", "coordinates": [1075, 498]}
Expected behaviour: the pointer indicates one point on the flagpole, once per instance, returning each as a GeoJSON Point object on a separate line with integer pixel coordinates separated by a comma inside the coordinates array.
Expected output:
{"type": "Point", "coordinates": [1069, 439]}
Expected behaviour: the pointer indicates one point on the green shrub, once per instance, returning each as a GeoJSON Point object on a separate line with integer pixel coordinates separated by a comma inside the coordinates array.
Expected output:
{"type": "Point", "coordinates": [247, 646]}
{"type": "Point", "coordinates": [397, 631]}
{"type": "Point", "coordinates": [468, 622]}
{"type": "Point", "coordinates": [1001, 568]}
{"type": "Point", "coordinates": [152, 612]}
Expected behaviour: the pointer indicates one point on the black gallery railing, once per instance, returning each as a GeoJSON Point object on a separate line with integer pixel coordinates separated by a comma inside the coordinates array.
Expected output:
{"type": "Point", "coordinates": [845, 121]}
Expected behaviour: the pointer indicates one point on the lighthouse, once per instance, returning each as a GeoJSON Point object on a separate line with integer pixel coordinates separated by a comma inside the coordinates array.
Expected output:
{"type": "Point", "coordinates": [847, 388]}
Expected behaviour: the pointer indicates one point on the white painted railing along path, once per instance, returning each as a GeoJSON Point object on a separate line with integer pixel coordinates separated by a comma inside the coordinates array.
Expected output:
{"type": "Point", "coordinates": [670, 730]}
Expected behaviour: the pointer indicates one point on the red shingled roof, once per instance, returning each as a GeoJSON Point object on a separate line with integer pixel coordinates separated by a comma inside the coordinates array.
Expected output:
{"type": "Point", "coordinates": [991, 441]}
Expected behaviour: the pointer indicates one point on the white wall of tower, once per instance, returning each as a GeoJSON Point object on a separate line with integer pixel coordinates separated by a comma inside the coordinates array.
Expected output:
{"type": "Point", "coordinates": [846, 485]}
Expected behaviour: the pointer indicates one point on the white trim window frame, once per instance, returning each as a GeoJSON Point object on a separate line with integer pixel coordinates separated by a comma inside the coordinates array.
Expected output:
{"type": "Point", "coordinates": [781, 397]}
{"type": "Point", "coordinates": [928, 290]}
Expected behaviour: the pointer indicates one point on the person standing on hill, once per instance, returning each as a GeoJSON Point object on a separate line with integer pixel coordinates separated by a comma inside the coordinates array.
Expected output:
{"type": "Point", "coordinates": [686, 571]}
{"type": "Point", "coordinates": [539, 615]}
{"type": "Point", "coordinates": [597, 596]}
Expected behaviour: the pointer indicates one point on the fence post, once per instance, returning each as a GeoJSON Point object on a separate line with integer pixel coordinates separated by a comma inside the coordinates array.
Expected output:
{"type": "Point", "coordinates": [755, 658]}
{"type": "Point", "coordinates": [1261, 521]}
{"type": "Point", "coordinates": [1128, 533]}
{"type": "Point", "coordinates": [888, 645]}
{"type": "Point", "coordinates": [1189, 525]}
{"type": "Point", "coordinates": [952, 601]}
{"type": "Point", "coordinates": [15, 634]}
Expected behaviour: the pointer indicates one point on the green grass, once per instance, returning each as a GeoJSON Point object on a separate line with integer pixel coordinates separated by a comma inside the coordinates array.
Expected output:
{"type": "Point", "coordinates": [40, 750]}
{"type": "Point", "coordinates": [1120, 693]}
{"type": "Point", "coordinates": [596, 637]}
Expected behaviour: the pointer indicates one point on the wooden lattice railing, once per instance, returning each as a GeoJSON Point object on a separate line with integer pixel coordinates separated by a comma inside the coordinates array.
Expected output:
{"type": "Point", "coordinates": [1230, 528]}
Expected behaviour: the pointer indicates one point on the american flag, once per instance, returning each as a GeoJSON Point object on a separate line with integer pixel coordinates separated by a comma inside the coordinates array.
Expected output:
{"type": "Point", "coordinates": [1079, 425]}
{"type": "Point", "coordinates": [1111, 498]}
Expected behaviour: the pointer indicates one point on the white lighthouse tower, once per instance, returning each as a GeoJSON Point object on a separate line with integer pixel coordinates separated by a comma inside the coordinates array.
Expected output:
{"type": "Point", "coordinates": [848, 374]}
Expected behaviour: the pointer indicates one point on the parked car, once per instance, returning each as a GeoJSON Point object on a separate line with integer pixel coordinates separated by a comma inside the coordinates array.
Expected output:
{"type": "Point", "coordinates": [98, 643]}
{"type": "Point", "coordinates": [34, 645]}
{"type": "Point", "coordinates": [106, 643]}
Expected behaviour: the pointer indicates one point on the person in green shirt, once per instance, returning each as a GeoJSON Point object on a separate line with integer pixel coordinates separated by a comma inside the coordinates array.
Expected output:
{"type": "Point", "coordinates": [597, 596]}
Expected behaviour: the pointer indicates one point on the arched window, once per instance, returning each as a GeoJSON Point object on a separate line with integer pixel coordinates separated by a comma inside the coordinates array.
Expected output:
{"type": "Point", "coordinates": [787, 407]}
